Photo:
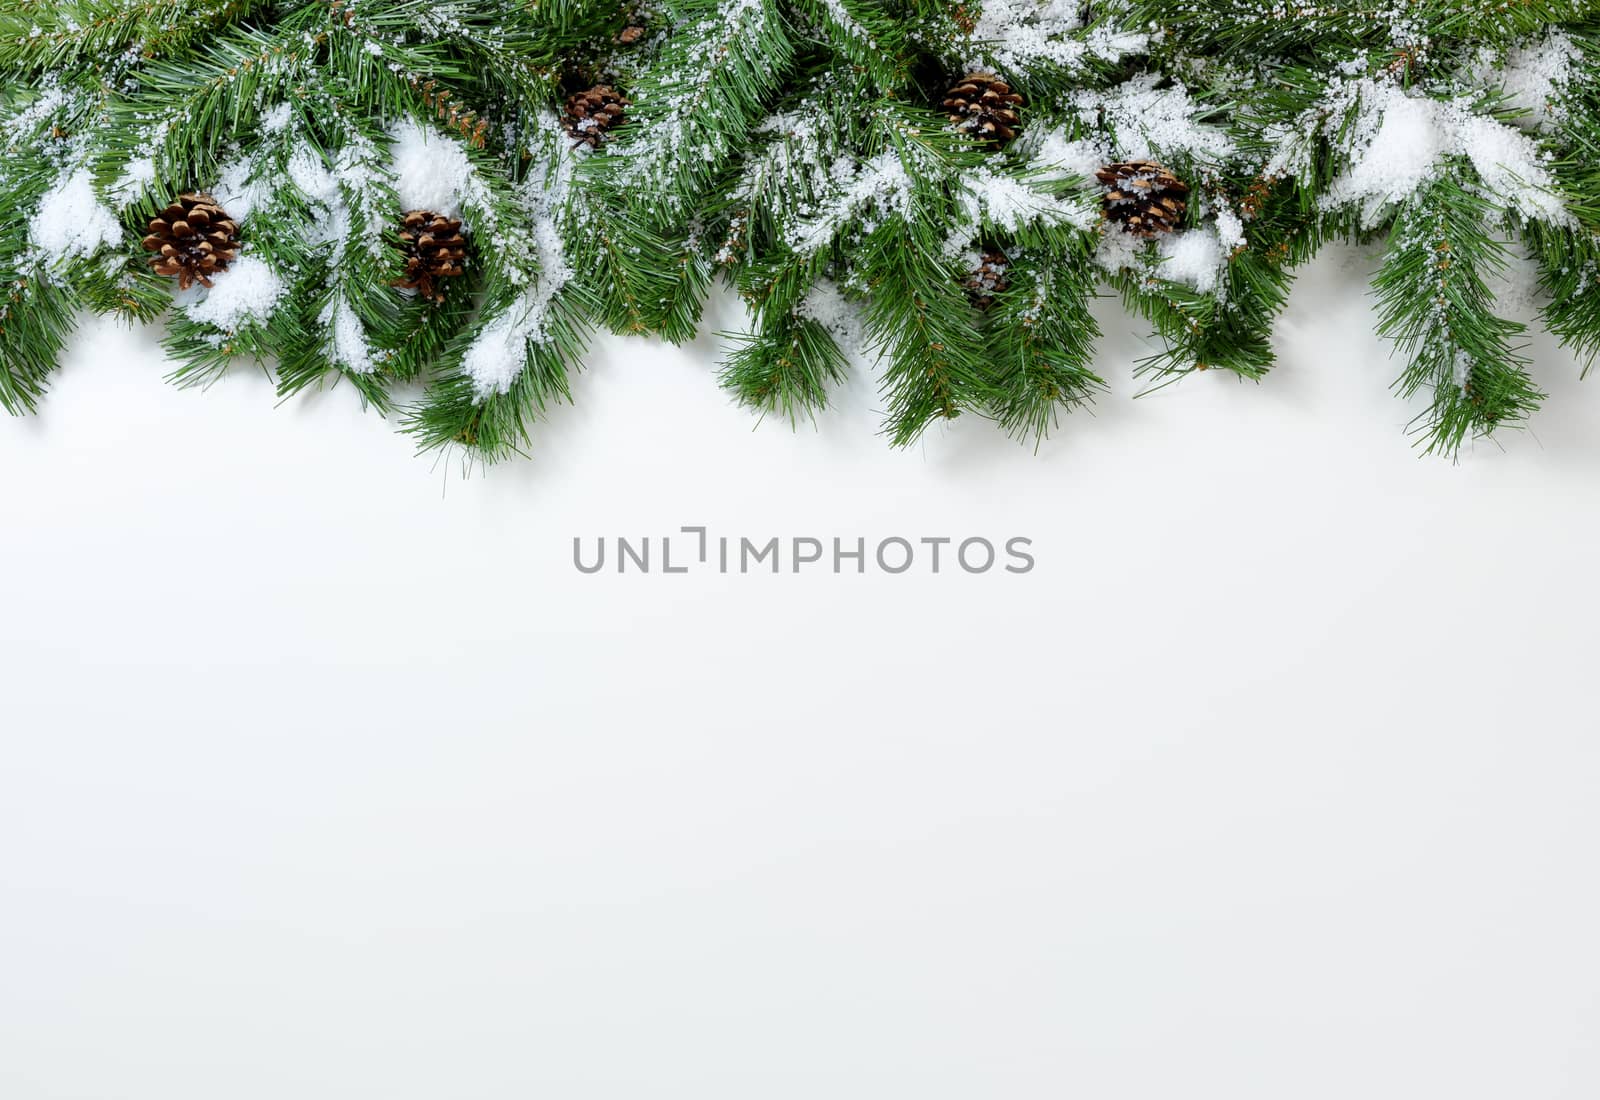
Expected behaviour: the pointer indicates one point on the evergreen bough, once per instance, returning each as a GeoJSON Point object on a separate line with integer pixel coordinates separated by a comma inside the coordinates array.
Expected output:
{"type": "Point", "coordinates": [861, 172]}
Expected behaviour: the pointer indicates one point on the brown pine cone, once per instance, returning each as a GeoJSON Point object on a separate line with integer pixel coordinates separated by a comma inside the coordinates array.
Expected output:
{"type": "Point", "coordinates": [591, 114]}
{"type": "Point", "coordinates": [434, 250]}
{"type": "Point", "coordinates": [1144, 198]}
{"type": "Point", "coordinates": [987, 279]}
{"type": "Point", "coordinates": [193, 239]}
{"type": "Point", "coordinates": [984, 106]}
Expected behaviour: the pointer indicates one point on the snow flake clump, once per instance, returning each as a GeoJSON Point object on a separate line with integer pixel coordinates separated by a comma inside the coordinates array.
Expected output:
{"type": "Point", "coordinates": [1119, 250]}
{"type": "Point", "coordinates": [1399, 140]}
{"type": "Point", "coordinates": [312, 177]}
{"type": "Point", "coordinates": [1195, 258]}
{"type": "Point", "coordinates": [1151, 123]}
{"type": "Point", "coordinates": [245, 293]}
{"type": "Point", "coordinates": [1010, 204]}
{"type": "Point", "coordinates": [1511, 166]}
{"type": "Point", "coordinates": [1530, 75]}
{"type": "Point", "coordinates": [431, 172]}
{"type": "Point", "coordinates": [1059, 158]}
{"type": "Point", "coordinates": [1021, 33]}
{"type": "Point", "coordinates": [1230, 230]}
{"type": "Point", "coordinates": [238, 191]}
{"type": "Point", "coordinates": [500, 351]}
{"type": "Point", "coordinates": [276, 120]}
{"type": "Point", "coordinates": [882, 181]}
{"type": "Point", "coordinates": [136, 177]}
{"type": "Point", "coordinates": [347, 337]}
{"type": "Point", "coordinates": [826, 304]}
{"type": "Point", "coordinates": [71, 222]}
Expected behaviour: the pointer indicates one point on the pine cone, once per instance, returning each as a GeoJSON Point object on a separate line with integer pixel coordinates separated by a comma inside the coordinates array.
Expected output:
{"type": "Point", "coordinates": [434, 250]}
{"type": "Point", "coordinates": [193, 238]}
{"type": "Point", "coordinates": [1143, 197]}
{"type": "Point", "coordinates": [987, 279]}
{"type": "Point", "coordinates": [984, 106]}
{"type": "Point", "coordinates": [591, 113]}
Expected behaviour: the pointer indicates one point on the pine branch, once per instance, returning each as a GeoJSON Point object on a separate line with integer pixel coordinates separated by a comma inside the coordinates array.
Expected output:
{"type": "Point", "coordinates": [45, 36]}
{"type": "Point", "coordinates": [194, 107]}
{"type": "Point", "coordinates": [1435, 305]}
{"type": "Point", "coordinates": [805, 151]}
{"type": "Point", "coordinates": [936, 362]}
{"type": "Point", "coordinates": [35, 321]}
{"type": "Point", "coordinates": [790, 361]}
{"type": "Point", "coordinates": [1041, 337]}
{"type": "Point", "coordinates": [498, 426]}
{"type": "Point", "coordinates": [1569, 274]}
{"type": "Point", "coordinates": [706, 90]}
{"type": "Point", "coordinates": [862, 32]}
{"type": "Point", "coordinates": [787, 367]}
{"type": "Point", "coordinates": [694, 106]}
{"type": "Point", "coordinates": [1230, 328]}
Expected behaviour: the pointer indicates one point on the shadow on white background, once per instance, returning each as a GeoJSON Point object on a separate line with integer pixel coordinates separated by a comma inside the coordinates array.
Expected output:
{"type": "Point", "coordinates": [327, 775]}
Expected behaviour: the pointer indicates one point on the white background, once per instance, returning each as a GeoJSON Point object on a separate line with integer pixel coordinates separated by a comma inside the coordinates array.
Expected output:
{"type": "Point", "coordinates": [325, 775]}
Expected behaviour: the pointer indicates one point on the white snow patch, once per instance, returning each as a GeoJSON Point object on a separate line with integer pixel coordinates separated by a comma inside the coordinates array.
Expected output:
{"type": "Point", "coordinates": [1152, 123]}
{"type": "Point", "coordinates": [1194, 258]}
{"type": "Point", "coordinates": [347, 337]}
{"type": "Point", "coordinates": [1511, 166]}
{"type": "Point", "coordinates": [237, 193]}
{"type": "Point", "coordinates": [1118, 250]}
{"type": "Point", "coordinates": [247, 292]}
{"type": "Point", "coordinates": [277, 119]}
{"type": "Point", "coordinates": [136, 176]}
{"type": "Point", "coordinates": [311, 176]}
{"type": "Point", "coordinates": [1061, 158]}
{"type": "Point", "coordinates": [1230, 230]}
{"type": "Point", "coordinates": [826, 304]}
{"type": "Point", "coordinates": [431, 172]}
{"type": "Point", "coordinates": [358, 169]}
{"type": "Point", "coordinates": [1399, 140]}
{"type": "Point", "coordinates": [1531, 74]}
{"type": "Point", "coordinates": [71, 222]}
{"type": "Point", "coordinates": [1022, 33]}
{"type": "Point", "coordinates": [883, 181]}
{"type": "Point", "coordinates": [1011, 204]}
{"type": "Point", "coordinates": [499, 353]}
